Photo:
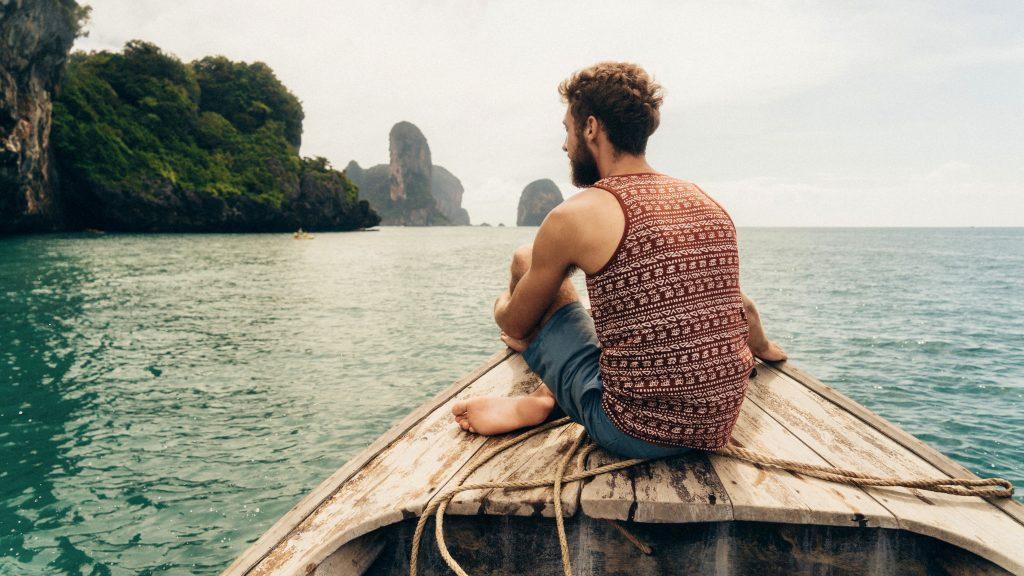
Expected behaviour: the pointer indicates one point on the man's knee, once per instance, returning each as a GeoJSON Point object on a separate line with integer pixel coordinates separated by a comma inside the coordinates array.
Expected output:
{"type": "Point", "coordinates": [521, 259]}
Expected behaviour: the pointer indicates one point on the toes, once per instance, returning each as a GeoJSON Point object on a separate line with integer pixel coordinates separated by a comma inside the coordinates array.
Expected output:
{"type": "Point", "coordinates": [464, 424]}
{"type": "Point", "coordinates": [460, 408]}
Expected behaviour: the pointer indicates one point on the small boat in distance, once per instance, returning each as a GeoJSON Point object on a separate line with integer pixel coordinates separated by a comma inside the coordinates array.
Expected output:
{"type": "Point", "coordinates": [699, 513]}
{"type": "Point", "coordinates": [302, 235]}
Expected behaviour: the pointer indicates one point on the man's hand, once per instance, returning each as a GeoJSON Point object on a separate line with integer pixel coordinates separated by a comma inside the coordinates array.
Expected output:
{"type": "Point", "coordinates": [517, 344]}
{"type": "Point", "coordinates": [501, 304]}
{"type": "Point", "coordinates": [518, 313]}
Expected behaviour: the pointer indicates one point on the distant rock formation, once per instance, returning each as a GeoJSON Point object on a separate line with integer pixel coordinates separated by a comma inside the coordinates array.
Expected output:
{"type": "Point", "coordinates": [35, 38]}
{"type": "Point", "coordinates": [448, 190]}
{"type": "Point", "coordinates": [410, 190]}
{"type": "Point", "coordinates": [409, 171]}
{"type": "Point", "coordinates": [537, 199]}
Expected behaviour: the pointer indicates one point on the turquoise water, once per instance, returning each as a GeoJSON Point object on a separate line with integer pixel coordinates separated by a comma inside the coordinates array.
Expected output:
{"type": "Point", "coordinates": [164, 399]}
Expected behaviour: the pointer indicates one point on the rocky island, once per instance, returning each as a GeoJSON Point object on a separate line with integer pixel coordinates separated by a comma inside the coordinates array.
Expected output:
{"type": "Point", "coordinates": [410, 190]}
{"type": "Point", "coordinates": [138, 140]}
{"type": "Point", "coordinates": [536, 200]}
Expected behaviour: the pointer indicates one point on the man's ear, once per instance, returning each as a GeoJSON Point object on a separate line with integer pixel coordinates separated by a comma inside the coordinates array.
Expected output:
{"type": "Point", "coordinates": [591, 129]}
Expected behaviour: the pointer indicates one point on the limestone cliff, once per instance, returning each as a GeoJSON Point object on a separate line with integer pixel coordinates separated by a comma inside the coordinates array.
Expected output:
{"type": "Point", "coordinates": [537, 199]}
{"type": "Point", "coordinates": [35, 37]}
{"type": "Point", "coordinates": [447, 191]}
{"type": "Point", "coordinates": [409, 168]}
{"type": "Point", "coordinates": [410, 190]}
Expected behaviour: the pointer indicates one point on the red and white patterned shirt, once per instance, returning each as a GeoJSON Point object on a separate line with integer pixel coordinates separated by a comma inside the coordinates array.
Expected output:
{"type": "Point", "coordinates": [669, 317]}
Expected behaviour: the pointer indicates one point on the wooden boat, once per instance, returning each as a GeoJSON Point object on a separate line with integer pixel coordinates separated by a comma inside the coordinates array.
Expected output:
{"type": "Point", "coordinates": [701, 513]}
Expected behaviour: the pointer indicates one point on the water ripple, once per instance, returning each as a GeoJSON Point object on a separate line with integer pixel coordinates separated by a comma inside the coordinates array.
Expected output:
{"type": "Point", "coordinates": [165, 398]}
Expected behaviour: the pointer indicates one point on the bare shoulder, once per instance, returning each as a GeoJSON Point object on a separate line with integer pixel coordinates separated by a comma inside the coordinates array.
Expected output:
{"type": "Point", "coordinates": [594, 221]}
{"type": "Point", "coordinates": [573, 223]}
{"type": "Point", "coordinates": [590, 204]}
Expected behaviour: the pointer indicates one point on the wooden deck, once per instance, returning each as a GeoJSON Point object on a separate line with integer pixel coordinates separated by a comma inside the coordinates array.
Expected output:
{"type": "Point", "coordinates": [788, 413]}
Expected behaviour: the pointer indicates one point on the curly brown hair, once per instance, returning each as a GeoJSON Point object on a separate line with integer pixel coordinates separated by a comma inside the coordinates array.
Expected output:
{"type": "Point", "coordinates": [621, 96]}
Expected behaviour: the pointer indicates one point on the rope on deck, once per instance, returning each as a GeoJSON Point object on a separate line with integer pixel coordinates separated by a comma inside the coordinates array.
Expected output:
{"type": "Point", "coordinates": [983, 487]}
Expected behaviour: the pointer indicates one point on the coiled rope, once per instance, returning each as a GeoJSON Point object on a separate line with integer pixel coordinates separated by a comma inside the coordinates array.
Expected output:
{"type": "Point", "coordinates": [990, 487]}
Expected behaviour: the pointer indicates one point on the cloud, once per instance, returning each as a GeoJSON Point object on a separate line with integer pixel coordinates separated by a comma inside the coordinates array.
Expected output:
{"type": "Point", "coordinates": [952, 194]}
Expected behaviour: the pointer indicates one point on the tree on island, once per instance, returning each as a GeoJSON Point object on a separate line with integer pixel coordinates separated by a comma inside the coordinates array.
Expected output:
{"type": "Point", "coordinates": [144, 141]}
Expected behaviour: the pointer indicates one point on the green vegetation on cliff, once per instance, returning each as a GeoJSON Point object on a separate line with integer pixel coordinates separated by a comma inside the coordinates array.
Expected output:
{"type": "Point", "coordinates": [77, 14]}
{"type": "Point", "coordinates": [144, 141]}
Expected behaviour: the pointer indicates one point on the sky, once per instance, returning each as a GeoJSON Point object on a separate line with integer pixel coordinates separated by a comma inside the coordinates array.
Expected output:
{"type": "Point", "coordinates": [787, 113]}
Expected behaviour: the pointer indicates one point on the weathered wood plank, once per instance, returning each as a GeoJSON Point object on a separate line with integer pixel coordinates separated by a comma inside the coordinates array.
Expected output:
{"type": "Point", "coordinates": [844, 440]}
{"type": "Point", "coordinates": [770, 495]}
{"type": "Point", "coordinates": [393, 485]}
{"type": "Point", "coordinates": [680, 489]}
{"type": "Point", "coordinates": [516, 546]}
{"type": "Point", "coordinates": [470, 502]}
{"type": "Point", "coordinates": [954, 561]}
{"type": "Point", "coordinates": [937, 459]}
{"type": "Point", "coordinates": [538, 463]}
{"type": "Point", "coordinates": [280, 529]}
{"type": "Point", "coordinates": [353, 558]}
{"type": "Point", "coordinates": [609, 495]}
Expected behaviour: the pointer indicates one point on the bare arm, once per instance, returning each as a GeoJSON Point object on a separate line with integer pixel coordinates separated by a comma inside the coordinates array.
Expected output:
{"type": "Point", "coordinates": [518, 312]}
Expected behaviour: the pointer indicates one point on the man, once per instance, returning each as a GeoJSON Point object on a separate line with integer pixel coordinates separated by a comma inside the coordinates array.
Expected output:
{"type": "Point", "coordinates": [661, 364]}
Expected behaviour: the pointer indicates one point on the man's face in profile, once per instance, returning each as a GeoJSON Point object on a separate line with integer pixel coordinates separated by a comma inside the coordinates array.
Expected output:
{"type": "Point", "coordinates": [582, 162]}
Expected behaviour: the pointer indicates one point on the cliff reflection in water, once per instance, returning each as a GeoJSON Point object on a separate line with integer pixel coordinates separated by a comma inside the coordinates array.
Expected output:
{"type": "Point", "coordinates": [42, 407]}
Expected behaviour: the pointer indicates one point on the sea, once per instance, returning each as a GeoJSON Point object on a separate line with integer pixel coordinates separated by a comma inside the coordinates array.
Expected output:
{"type": "Point", "coordinates": [165, 398]}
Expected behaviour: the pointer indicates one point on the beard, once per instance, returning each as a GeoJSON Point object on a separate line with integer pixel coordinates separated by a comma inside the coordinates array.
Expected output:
{"type": "Point", "coordinates": [583, 166]}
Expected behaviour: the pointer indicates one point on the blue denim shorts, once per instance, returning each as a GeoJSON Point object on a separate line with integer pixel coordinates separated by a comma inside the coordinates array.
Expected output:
{"type": "Point", "coordinates": [565, 355]}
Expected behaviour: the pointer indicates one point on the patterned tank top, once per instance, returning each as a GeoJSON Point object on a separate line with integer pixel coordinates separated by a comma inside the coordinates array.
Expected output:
{"type": "Point", "coordinates": [669, 317]}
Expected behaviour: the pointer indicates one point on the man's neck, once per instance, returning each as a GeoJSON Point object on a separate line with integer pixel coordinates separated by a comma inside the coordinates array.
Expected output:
{"type": "Point", "coordinates": [623, 164]}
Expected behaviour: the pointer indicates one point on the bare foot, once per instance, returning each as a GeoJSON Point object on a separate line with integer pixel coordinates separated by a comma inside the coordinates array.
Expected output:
{"type": "Point", "coordinates": [769, 352]}
{"type": "Point", "coordinates": [489, 415]}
